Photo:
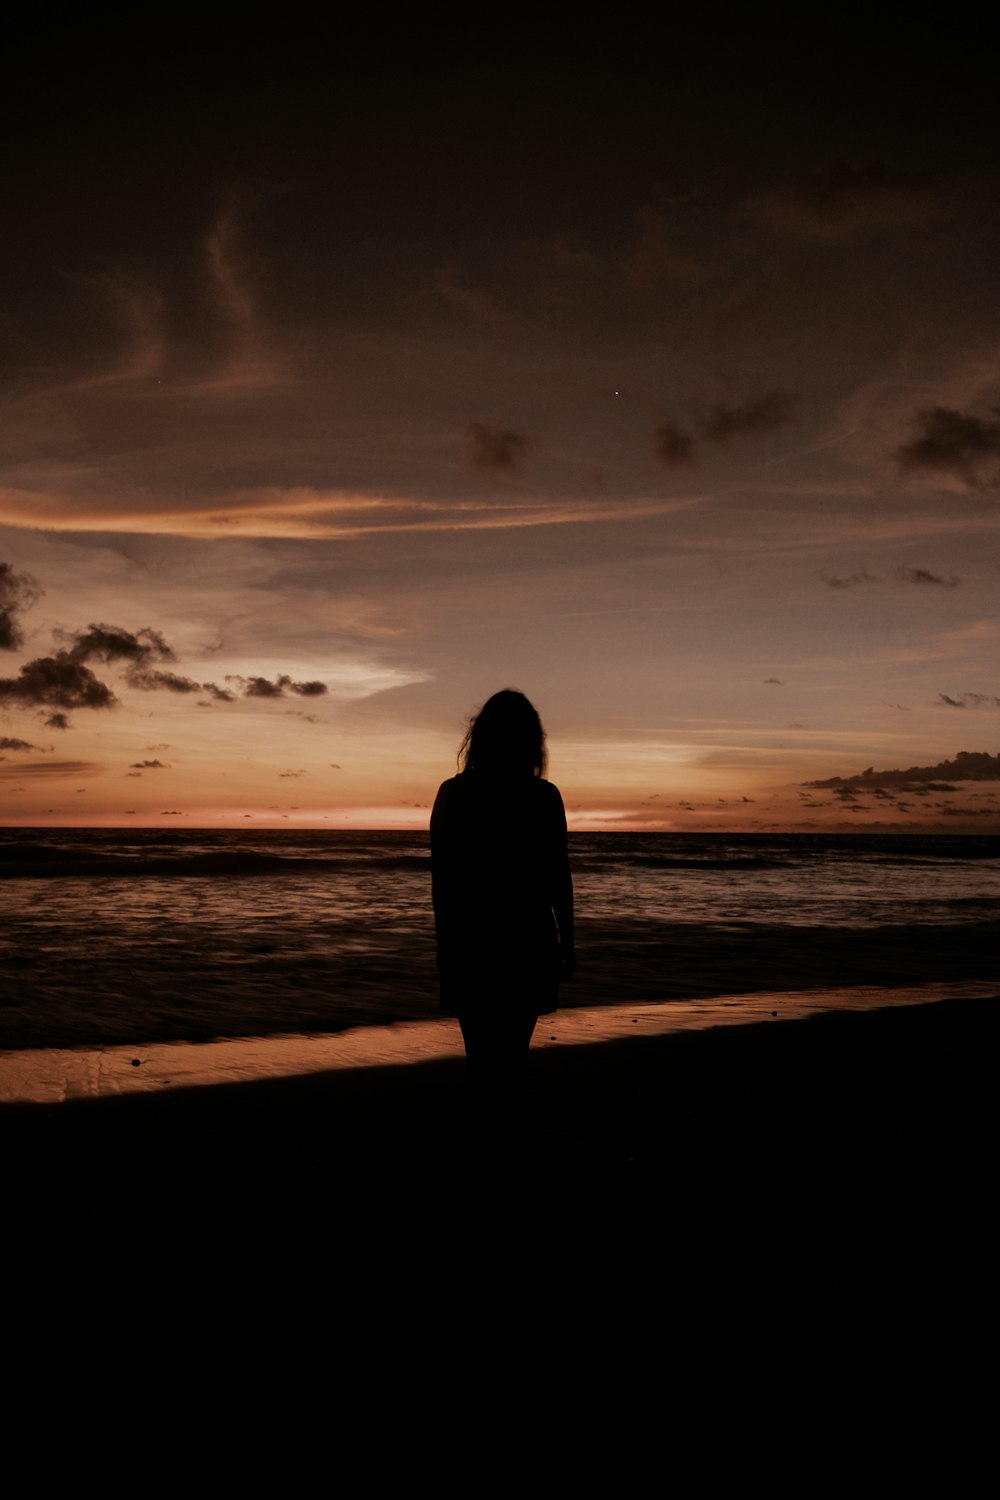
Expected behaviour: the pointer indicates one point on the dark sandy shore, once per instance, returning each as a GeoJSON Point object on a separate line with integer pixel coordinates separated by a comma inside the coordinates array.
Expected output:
{"type": "Point", "coordinates": [770, 1228]}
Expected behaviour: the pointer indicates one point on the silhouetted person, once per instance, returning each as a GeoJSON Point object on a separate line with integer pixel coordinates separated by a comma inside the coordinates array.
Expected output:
{"type": "Point", "coordinates": [503, 907]}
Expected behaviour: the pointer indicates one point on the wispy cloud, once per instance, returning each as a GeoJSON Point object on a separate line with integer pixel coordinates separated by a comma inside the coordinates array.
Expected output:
{"type": "Point", "coordinates": [51, 769]}
{"type": "Point", "coordinates": [18, 592]}
{"type": "Point", "coordinates": [970, 700]}
{"type": "Point", "coordinates": [847, 202]}
{"type": "Point", "coordinates": [955, 443]}
{"type": "Point", "coordinates": [919, 576]}
{"type": "Point", "coordinates": [673, 444]}
{"type": "Point", "coordinates": [766, 413]}
{"type": "Point", "coordinates": [497, 448]}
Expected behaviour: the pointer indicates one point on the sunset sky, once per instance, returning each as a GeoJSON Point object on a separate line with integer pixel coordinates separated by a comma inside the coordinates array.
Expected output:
{"type": "Point", "coordinates": [348, 377]}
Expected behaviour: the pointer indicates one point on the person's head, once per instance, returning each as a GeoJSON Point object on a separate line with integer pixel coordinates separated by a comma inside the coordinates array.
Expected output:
{"type": "Point", "coordinates": [505, 738]}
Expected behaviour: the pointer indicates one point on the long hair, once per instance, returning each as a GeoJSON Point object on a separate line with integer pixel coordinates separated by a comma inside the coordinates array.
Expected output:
{"type": "Point", "coordinates": [505, 738]}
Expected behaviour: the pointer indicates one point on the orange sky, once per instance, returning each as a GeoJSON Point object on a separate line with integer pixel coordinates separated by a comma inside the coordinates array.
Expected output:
{"type": "Point", "coordinates": [679, 414]}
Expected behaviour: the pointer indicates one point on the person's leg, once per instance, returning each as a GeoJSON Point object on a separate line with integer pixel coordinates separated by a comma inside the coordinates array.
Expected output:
{"type": "Point", "coordinates": [496, 1050]}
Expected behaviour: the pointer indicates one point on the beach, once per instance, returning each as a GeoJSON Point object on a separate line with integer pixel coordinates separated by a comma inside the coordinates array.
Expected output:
{"type": "Point", "coordinates": [775, 1221]}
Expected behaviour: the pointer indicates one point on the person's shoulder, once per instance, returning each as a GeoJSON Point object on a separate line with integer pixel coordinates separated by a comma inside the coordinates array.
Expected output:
{"type": "Point", "coordinates": [449, 793]}
{"type": "Point", "coordinates": [549, 792]}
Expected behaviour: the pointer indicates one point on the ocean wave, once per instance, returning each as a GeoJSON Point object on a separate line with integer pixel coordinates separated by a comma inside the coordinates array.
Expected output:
{"type": "Point", "coordinates": [679, 862]}
{"type": "Point", "coordinates": [33, 861]}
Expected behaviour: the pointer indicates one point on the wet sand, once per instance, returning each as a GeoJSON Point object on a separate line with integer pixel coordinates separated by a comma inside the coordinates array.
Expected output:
{"type": "Point", "coordinates": [773, 1228]}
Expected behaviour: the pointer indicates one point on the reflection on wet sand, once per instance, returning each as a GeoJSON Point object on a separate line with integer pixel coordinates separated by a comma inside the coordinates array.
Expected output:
{"type": "Point", "coordinates": [50, 1075]}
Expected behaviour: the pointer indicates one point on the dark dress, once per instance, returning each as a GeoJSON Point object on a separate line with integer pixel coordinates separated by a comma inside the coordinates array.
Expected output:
{"type": "Point", "coordinates": [501, 883]}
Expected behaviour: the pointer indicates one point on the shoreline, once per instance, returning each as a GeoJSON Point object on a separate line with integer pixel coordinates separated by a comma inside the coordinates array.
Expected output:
{"type": "Point", "coordinates": [52, 1075]}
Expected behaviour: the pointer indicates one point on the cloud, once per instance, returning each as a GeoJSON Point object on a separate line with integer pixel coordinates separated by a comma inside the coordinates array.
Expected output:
{"type": "Point", "coordinates": [65, 680]}
{"type": "Point", "coordinates": [765, 414]}
{"type": "Point", "coordinates": [923, 575]}
{"type": "Point", "coordinates": [148, 765]}
{"type": "Point", "coordinates": [968, 765]}
{"type": "Point", "coordinates": [851, 581]}
{"type": "Point", "coordinates": [970, 700]}
{"type": "Point", "coordinates": [901, 575]}
{"type": "Point", "coordinates": [140, 649]}
{"type": "Point", "coordinates": [221, 695]}
{"type": "Point", "coordinates": [954, 443]}
{"type": "Point", "coordinates": [40, 769]}
{"type": "Point", "coordinates": [846, 201]}
{"type": "Point", "coordinates": [673, 445]}
{"type": "Point", "coordinates": [258, 687]}
{"type": "Point", "coordinates": [6, 743]}
{"type": "Point", "coordinates": [263, 687]}
{"type": "Point", "coordinates": [59, 681]}
{"type": "Point", "coordinates": [497, 448]}
{"type": "Point", "coordinates": [152, 679]}
{"type": "Point", "coordinates": [18, 592]}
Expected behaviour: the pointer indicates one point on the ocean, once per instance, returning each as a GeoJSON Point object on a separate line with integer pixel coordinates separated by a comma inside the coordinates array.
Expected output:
{"type": "Point", "coordinates": [112, 937]}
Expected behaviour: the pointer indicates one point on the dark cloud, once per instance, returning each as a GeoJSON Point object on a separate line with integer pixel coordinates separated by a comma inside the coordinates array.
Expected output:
{"type": "Point", "coordinates": [259, 687]}
{"type": "Point", "coordinates": [66, 680]}
{"type": "Point", "coordinates": [956, 443]}
{"type": "Point", "coordinates": [150, 679]}
{"type": "Point", "coordinates": [968, 765]}
{"type": "Point", "coordinates": [970, 700]}
{"type": "Point", "coordinates": [39, 769]}
{"type": "Point", "coordinates": [140, 649]}
{"type": "Point", "coordinates": [61, 681]}
{"type": "Point", "coordinates": [673, 445]}
{"type": "Point", "coordinates": [923, 575]}
{"type": "Point", "coordinates": [847, 201]}
{"type": "Point", "coordinates": [901, 575]}
{"type": "Point", "coordinates": [6, 743]}
{"type": "Point", "coordinates": [847, 795]}
{"type": "Point", "coordinates": [109, 643]}
{"type": "Point", "coordinates": [18, 592]}
{"type": "Point", "coordinates": [148, 765]}
{"type": "Point", "coordinates": [766, 414]}
{"type": "Point", "coordinates": [263, 687]}
{"type": "Point", "coordinates": [497, 447]}
{"type": "Point", "coordinates": [773, 682]}
{"type": "Point", "coordinates": [851, 581]}
{"type": "Point", "coordinates": [221, 695]}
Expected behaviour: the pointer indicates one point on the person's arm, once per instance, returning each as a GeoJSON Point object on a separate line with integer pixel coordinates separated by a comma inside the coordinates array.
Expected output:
{"type": "Point", "coordinates": [562, 890]}
{"type": "Point", "coordinates": [442, 866]}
